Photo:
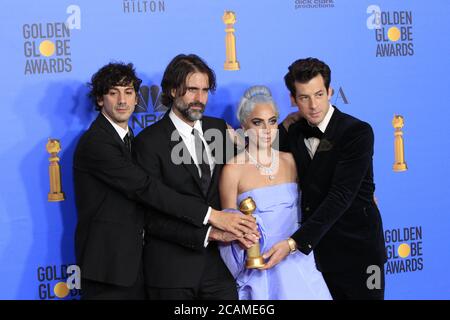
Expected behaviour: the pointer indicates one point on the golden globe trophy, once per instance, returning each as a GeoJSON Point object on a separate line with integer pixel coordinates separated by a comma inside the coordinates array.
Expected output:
{"type": "Point", "coordinates": [229, 18]}
{"type": "Point", "coordinates": [400, 164]}
{"type": "Point", "coordinates": [53, 147]}
{"type": "Point", "coordinates": [254, 258]}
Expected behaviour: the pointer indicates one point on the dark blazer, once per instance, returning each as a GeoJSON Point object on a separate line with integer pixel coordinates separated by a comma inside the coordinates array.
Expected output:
{"type": "Point", "coordinates": [340, 219]}
{"type": "Point", "coordinates": [110, 227]}
{"type": "Point", "coordinates": [167, 263]}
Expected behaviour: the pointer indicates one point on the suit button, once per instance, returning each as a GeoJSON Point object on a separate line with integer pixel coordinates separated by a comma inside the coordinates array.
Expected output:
{"type": "Point", "coordinates": [307, 209]}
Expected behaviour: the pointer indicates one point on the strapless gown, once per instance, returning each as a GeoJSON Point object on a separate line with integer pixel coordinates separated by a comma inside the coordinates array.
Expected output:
{"type": "Point", "coordinates": [294, 278]}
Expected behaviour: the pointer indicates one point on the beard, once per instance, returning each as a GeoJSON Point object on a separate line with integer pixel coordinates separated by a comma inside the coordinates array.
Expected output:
{"type": "Point", "coordinates": [187, 111]}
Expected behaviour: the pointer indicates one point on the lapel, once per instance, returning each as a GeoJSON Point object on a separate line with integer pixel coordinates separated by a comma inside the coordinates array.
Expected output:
{"type": "Point", "coordinates": [104, 124]}
{"type": "Point", "coordinates": [303, 155]}
{"type": "Point", "coordinates": [190, 167]}
{"type": "Point", "coordinates": [326, 144]}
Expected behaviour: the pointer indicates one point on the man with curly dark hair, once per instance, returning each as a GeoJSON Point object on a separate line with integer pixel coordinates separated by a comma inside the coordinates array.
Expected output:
{"type": "Point", "coordinates": [108, 187]}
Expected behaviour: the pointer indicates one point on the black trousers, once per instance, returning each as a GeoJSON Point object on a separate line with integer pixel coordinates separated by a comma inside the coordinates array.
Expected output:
{"type": "Point", "coordinates": [216, 283]}
{"type": "Point", "coordinates": [93, 290]}
{"type": "Point", "coordinates": [352, 285]}
{"type": "Point", "coordinates": [214, 290]}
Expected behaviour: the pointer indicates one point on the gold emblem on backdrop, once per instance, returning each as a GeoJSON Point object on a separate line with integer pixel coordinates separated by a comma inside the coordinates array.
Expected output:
{"type": "Point", "coordinates": [231, 63]}
{"type": "Point", "coordinates": [399, 150]}
{"type": "Point", "coordinates": [54, 147]}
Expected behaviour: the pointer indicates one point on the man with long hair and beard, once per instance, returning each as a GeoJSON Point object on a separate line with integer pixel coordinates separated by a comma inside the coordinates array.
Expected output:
{"type": "Point", "coordinates": [194, 171]}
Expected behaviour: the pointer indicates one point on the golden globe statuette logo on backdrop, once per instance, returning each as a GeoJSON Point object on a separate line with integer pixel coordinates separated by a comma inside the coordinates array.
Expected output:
{"type": "Point", "coordinates": [254, 258]}
{"type": "Point", "coordinates": [231, 63]}
{"type": "Point", "coordinates": [53, 147]}
{"type": "Point", "coordinates": [400, 164]}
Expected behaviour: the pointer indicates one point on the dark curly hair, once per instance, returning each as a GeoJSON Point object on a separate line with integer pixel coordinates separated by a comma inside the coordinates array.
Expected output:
{"type": "Point", "coordinates": [176, 73]}
{"type": "Point", "coordinates": [111, 75]}
{"type": "Point", "coordinates": [303, 70]}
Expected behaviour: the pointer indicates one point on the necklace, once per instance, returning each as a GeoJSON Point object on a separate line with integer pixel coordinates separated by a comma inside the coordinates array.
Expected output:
{"type": "Point", "coordinates": [267, 171]}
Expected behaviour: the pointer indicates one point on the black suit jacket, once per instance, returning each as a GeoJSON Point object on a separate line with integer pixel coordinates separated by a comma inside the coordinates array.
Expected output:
{"type": "Point", "coordinates": [340, 219]}
{"type": "Point", "coordinates": [109, 233]}
{"type": "Point", "coordinates": [169, 261]}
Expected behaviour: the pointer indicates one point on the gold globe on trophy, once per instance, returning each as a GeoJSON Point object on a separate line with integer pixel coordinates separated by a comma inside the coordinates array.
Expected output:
{"type": "Point", "coordinates": [53, 147]}
{"type": "Point", "coordinates": [254, 258]}
{"type": "Point", "coordinates": [399, 151]}
{"type": "Point", "coordinates": [231, 63]}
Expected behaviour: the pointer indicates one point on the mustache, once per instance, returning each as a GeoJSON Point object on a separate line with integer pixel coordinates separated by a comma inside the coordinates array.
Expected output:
{"type": "Point", "coordinates": [196, 104]}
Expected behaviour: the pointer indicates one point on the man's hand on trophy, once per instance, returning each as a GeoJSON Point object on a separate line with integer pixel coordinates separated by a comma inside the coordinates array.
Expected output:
{"type": "Point", "coordinates": [223, 236]}
{"type": "Point", "coordinates": [248, 241]}
{"type": "Point", "coordinates": [291, 118]}
{"type": "Point", "coordinates": [277, 253]}
{"type": "Point", "coordinates": [234, 222]}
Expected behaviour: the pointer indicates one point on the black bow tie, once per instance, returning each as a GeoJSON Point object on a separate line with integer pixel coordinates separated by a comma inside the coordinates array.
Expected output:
{"type": "Point", "coordinates": [309, 131]}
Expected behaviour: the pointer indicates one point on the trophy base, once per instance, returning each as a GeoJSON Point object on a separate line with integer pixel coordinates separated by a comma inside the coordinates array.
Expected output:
{"type": "Point", "coordinates": [231, 66]}
{"type": "Point", "coordinates": [398, 167]}
{"type": "Point", "coordinates": [55, 197]}
{"type": "Point", "coordinates": [255, 263]}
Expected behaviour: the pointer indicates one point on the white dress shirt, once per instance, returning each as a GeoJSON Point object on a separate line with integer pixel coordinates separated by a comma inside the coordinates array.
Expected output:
{"type": "Point", "coordinates": [185, 131]}
{"type": "Point", "coordinates": [312, 143]}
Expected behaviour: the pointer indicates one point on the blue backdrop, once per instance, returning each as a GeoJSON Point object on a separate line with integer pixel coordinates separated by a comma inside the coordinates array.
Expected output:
{"type": "Point", "coordinates": [387, 58]}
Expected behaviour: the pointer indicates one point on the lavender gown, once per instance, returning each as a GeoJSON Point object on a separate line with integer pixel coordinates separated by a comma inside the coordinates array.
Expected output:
{"type": "Point", "coordinates": [296, 277]}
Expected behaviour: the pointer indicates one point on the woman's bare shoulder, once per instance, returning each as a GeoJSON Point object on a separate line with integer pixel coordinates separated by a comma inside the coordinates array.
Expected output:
{"type": "Point", "coordinates": [238, 159]}
{"type": "Point", "coordinates": [287, 156]}
{"type": "Point", "coordinates": [235, 165]}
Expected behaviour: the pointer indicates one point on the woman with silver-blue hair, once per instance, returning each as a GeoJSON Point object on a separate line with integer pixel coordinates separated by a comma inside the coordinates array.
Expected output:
{"type": "Point", "coordinates": [252, 96]}
{"type": "Point", "coordinates": [258, 96]}
{"type": "Point", "coordinates": [269, 177]}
